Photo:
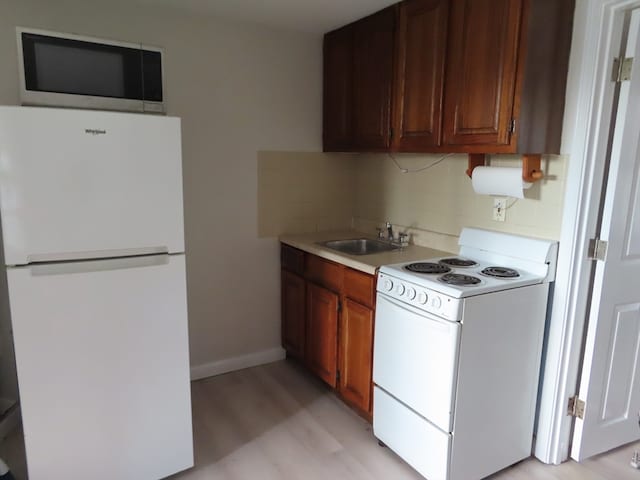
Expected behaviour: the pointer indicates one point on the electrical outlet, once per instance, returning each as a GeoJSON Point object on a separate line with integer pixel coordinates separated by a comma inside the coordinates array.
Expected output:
{"type": "Point", "coordinates": [499, 209]}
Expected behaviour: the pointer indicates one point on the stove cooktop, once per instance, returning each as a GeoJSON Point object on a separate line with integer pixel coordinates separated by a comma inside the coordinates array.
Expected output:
{"type": "Point", "coordinates": [461, 277]}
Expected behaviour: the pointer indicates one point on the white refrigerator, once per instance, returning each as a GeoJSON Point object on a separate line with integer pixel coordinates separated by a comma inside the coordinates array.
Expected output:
{"type": "Point", "coordinates": [93, 247]}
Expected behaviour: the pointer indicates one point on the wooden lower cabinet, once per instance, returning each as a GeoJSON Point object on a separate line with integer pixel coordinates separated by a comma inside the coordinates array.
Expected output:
{"type": "Point", "coordinates": [322, 333]}
{"type": "Point", "coordinates": [356, 354]}
{"type": "Point", "coordinates": [293, 314]}
{"type": "Point", "coordinates": [327, 323]}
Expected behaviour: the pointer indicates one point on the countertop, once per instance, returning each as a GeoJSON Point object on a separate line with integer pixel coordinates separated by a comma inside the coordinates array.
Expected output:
{"type": "Point", "coordinates": [308, 242]}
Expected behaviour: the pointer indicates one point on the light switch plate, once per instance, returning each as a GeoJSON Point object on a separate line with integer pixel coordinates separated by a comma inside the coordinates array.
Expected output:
{"type": "Point", "coordinates": [499, 209]}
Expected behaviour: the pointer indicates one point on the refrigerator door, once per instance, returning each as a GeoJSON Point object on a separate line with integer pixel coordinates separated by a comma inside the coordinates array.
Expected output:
{"type": "Point", "coordinates": [103, 367]}
{"type": "Point", "coordinates": [85, 184]}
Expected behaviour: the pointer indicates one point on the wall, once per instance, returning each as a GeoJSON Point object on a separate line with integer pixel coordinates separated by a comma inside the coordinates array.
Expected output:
{"type": "Point", "coordinates": [239, 89]}
{"type": "Point", "coordinates": [434, 204]}
{"type": "Point", "coordinates": [303, 193]}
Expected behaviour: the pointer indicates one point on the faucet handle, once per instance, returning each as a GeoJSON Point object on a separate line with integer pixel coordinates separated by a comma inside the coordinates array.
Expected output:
{"type": "Point", "coordinates": [404, 239]}
{"type": "Point", "coordinates": [380, 234]}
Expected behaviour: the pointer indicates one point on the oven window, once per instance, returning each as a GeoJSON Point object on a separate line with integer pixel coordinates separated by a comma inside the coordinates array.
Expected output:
{"type": "Point", "coordinates": [61, 65]}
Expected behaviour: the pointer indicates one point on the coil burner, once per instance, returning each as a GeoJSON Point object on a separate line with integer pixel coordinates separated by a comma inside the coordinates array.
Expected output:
{"type": "Point", "coordinates": [458, 262]}
{"type": "Point", "coordinates": [500, 272]}
{"type": "Point", "coordinates": [459, 280]}
{"type": "Point", "coordinates": [427, 268]}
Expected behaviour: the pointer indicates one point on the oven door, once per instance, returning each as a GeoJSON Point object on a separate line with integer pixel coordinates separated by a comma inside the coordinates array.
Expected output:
{"type": "Point", "coordinates": [415, 359]}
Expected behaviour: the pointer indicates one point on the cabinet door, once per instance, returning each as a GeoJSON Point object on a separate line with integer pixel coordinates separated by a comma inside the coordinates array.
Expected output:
{"type": "Point", "coordinates": [356, 354]}
{"type": "Point", "coordinates": [481, 71]}
{"type": "Point", "coordinates": [372, 75]}
{"type": "Point", "coordinates": [293, 314]}
{"type": "Point", "coordinates": [337, 91]}
{"type": "Point", "coordinates": [421, 48]}
{"type": "Point", "coordinates": [322, 333]}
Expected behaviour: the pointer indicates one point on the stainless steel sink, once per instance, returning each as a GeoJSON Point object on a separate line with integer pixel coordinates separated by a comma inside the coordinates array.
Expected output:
{"type": "Point", "coordinates": [359, 246]}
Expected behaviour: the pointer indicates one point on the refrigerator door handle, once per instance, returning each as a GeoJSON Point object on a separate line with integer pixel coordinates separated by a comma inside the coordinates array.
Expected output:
{"type": "Point", "coordinates": [95, 254]}
{"type": "Point", "coordinates": [88, 266]}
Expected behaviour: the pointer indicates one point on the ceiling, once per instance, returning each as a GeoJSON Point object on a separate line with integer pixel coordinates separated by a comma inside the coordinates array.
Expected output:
{"type": "Point", "coordinates": [313, 16]}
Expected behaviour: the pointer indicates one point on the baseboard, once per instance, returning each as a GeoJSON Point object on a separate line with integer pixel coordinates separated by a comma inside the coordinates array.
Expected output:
{"type": "Point", "coordinates": [236, 363]}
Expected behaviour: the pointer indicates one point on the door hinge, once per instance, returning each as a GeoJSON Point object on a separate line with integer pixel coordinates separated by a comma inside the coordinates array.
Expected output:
{"type": "Point", "coordinates": [575, 408]}
{"type": "Point", "coordinates": [597, 249]}
{"type": "Point", "coordinates": [622, 69]}
{"type": "Point", "coordinates": [512, 126]}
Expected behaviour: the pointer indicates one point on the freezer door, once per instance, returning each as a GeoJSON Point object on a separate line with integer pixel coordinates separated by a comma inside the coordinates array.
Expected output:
{"type": "Point", "coordinates": [103, 368]}
{"type": "Point", "coordinates": [86, 184]}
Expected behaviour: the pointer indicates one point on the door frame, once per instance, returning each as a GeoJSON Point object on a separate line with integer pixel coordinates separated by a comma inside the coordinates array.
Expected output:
{"type": "Point", "coordinates": [589, 104]}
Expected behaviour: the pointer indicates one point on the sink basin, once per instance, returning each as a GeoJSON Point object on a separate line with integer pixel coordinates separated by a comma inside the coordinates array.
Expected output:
{"type": "Point", "coordinates": [359, 246]}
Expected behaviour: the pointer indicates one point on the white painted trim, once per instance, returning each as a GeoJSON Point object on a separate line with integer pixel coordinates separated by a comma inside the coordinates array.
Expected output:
{"type": "Point", "coordinates": [236, 363]}
{"type": "Point", "coordinates": [589, 105]}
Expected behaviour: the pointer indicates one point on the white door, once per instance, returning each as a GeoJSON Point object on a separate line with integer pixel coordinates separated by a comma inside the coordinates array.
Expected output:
{"type": "Point", "coordinates": [103, 367]}
{"type": "Point", "coordinates": [85, 184]}
{"type": "Point", "coordinates": [610, 383]}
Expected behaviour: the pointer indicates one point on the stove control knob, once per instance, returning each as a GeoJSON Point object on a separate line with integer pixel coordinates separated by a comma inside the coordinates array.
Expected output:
{"type": "Point", "coordinates": [411, 293]}
{"type": "Point", "coordinates": [422, 298]}
{"type": "Point", "coordinates": [436, 302]}
{"type": "Point", "coordinates": [400, 289]}
{"type": "Point", "coordinates": [387, 284]}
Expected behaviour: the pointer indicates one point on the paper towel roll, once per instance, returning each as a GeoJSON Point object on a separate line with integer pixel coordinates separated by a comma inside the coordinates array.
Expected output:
{"type": "Point", "coordinates": [501, 181]}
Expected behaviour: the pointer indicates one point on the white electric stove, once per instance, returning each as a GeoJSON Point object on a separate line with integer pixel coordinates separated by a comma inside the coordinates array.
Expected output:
{"type": "Point", "coordinates": [457, 352]}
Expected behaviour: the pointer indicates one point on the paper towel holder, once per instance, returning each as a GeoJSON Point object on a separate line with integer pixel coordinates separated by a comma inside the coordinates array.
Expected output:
{"type": "Point", "coordinates": [531, 171]}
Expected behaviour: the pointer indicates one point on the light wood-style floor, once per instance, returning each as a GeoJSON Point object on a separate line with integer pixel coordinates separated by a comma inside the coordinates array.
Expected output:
{"type": "Point", "coordinates": [275, 422]}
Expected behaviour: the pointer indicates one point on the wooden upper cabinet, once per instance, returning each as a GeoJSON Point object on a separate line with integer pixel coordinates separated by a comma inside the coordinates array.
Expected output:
{"type": "Point", "coordinates": [481, 75]}
{"type": "Point", "coordinates": [373, 45]}
{"type": "Point", "coordinates": [467, 76]}
{"type": "Point", "coordinates": [337, 129]}
{"type": "Point", "coordinates": [542, 75]}
{"type": "Point", "coordinates": [419, 76]}
{"type": "Point", "coordinates": [507, 64]}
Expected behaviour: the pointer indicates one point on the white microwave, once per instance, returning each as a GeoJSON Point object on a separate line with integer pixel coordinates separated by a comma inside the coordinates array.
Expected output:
{"type": "Point", "coordinates": [65, 70]}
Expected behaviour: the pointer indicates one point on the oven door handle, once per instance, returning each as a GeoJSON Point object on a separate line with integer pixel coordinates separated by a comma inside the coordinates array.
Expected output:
{"type": "Point", "coordinates": [412, 309]}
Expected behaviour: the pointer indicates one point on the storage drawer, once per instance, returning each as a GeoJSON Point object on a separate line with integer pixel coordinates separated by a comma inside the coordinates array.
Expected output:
{"type": "Point", "coordinates": [418, 442]}
{"type": "Point", "coordinates": [292, 259]}
{"type": "Point", "coordinates": [324, 272]}
{"type": "Point", "coordinates": [360, 287]}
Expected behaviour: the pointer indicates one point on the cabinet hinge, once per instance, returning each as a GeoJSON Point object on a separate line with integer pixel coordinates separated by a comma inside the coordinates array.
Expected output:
{"type": "Point", "coordinates": [391, 133]}
{"type": "Point", "coordinates": [575, 408]}
{"type": "Point", "coordinates": [339, 306]}
{"type": "Point", "coordinates": [512, 126]}
{"type": "Point", "coordinates": [622, 69]}
{"type": "Point", "coordinates": [337, 376]}
{"type": "Point", "coordinates": [597, 249]}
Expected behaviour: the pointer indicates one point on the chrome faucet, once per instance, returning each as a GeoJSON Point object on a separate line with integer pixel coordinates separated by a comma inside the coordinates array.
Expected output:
{"type": "Point", "coordinates": [389, 232]}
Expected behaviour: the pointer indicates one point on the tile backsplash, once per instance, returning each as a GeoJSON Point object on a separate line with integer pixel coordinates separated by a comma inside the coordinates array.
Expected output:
{"type": "Point", "coordinates": [434, 204]}
{"type": "Point", "coordinates": [306, 192]}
